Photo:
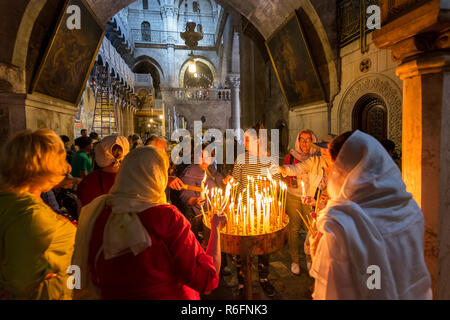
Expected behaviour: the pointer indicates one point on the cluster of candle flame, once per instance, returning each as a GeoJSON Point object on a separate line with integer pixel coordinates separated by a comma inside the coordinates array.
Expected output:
{"type": "Point", "coordinates": [258, 209]}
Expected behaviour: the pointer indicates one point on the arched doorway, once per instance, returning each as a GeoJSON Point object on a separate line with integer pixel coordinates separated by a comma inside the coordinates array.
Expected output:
{"type": "Point", "coordinates": [197, 73]}
{"type": "Point", "coordinates": [201, 77]}
{"type": "Point", "coordinates": [370, 116]}
{"type": "Point", "coordinates": [145, 66]}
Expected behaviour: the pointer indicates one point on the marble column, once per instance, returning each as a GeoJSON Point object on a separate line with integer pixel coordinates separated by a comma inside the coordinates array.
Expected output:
{"type": "Point", "coordinates": [426, 160]}
{"type": "Point", "coordinates": [169, 13]}
{"type": "Point", "coordinates": [419, 41]}
{"type": "Point", "coordinates": [234, 82]}
{"type": "Point", "coordinates": [171, 64]}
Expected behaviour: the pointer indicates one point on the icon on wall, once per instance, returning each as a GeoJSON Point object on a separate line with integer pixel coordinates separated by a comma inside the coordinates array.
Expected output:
{"type": "Point", "coordinates": [293, 64]}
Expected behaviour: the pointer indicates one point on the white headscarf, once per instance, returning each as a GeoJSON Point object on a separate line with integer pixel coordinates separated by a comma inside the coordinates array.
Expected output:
{"type": "Point", "coordinates": [140, 184]}
{"type": "Point", "coordinates": [370, 202]}
{"type": "Point", "coordinates": [298, 154]}
{"type": "Point", "coordinates": [103, 151]}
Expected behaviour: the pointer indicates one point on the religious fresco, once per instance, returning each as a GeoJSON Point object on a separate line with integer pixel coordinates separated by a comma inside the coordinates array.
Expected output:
{"type": "Point", "coordinates": [70, 55]}
{"type": "Point", "coordinates": [294, 66]}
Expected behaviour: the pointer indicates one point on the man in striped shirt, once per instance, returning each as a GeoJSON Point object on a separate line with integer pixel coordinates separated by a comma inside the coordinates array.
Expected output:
{"type": "Point", "coordinates": [253, 163]}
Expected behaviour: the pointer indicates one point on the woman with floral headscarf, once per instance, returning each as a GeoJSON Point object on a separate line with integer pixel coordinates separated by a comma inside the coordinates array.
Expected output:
{"type": "Point", "coordinates": [302, 152]}
{"type": "Point", "coordinates": [109, 153]}
{"type": "Point", "coordinates": [131, 244]}
{"type": "Point", "coordinates": [370, 240]}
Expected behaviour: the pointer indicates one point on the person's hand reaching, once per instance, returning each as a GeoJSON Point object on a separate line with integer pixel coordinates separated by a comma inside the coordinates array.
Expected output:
{"type": "Point", "coordinates": [199, 202]}
{"type": "Point", "coordinates": [175, 183]}
{"type": "Point", "coordinates": [274, 169]}
{"type": "Point", "coordinates": [227, 179]}
{"type": "Point", "coordinates": [218, 221]}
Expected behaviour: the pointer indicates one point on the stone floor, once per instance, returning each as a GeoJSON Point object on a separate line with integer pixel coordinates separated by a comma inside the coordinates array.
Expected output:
{"type": "Point", "coordinates": [287, 285]}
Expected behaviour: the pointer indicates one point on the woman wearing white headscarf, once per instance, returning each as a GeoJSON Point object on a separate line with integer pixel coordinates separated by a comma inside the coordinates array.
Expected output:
{"type": "Point", "coordinates": [109, 153]}
{"type": "Point", "coordinates": [370, 243]}
{"type": "Point", "coordinates": [131, 244]}
{"type": "Point", "coordinates": [302, 152]}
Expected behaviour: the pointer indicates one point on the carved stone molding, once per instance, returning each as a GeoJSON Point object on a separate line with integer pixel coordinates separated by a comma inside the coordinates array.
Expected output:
{"type": "Point", "coordinates": [424, 64]}
{"type": "Point", "coordinates": [13, 78]}
{"type": "Point", "coordinates": [382, 86]}
{"type": "Point", "coordinates": [417, 27]}
{"type": "Point", "coordinates": [167, 11]}
{"type": "Point", "coordinates": [234, 80]}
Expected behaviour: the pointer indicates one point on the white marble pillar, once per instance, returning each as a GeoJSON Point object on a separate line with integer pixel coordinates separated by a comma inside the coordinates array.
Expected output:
{"type": "Point", "coordinates": [171, 65]}
{"type": "Point", "coordinates": [170, 13]}
{"type": "Point", "coordinates": [234, 82]}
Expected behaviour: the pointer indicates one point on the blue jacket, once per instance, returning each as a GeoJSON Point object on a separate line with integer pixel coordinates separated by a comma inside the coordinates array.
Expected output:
{"type": "Point", "coordinates": [193, 176]}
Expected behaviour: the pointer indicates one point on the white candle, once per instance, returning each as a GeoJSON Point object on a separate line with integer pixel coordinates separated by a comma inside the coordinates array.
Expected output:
{"type": "Point", "coordinates": [303, 189]}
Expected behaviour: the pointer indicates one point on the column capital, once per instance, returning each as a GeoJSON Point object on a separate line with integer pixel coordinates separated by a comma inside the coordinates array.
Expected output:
{"type": "Point", "coordinates": [167, 11]}
{"type": "Point", "coordinates": [409, 33]}
{"type": "Point", "coordinates": [424, 64]}
{"type": "Point", "coordinates": [233, 80]}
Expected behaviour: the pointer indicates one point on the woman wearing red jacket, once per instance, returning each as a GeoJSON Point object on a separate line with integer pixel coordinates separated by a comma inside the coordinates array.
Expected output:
{"type": "Point", "coordinates": [132, 245]}
{"type": "Point", "coordinates": [109, 153]}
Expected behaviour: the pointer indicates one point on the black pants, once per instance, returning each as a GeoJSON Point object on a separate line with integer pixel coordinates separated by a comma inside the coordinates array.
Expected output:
{"type": "Point", "coordinates": [263, 267]}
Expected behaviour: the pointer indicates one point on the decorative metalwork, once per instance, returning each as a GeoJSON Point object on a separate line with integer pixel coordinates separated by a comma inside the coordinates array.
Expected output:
{"type": "Point", "coordinates": [185, 94]}
{"type": "Point", "coordinates": [365, 65]}
{"type": "Point", "coordinates": [191, 36]}
{"type": "Point", "coordinates": [352, 22]}
{"type": "Point", "coordinates": [376, 119]}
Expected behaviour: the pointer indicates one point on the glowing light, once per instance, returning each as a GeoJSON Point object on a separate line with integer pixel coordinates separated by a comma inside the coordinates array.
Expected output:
{"type": "Point", "coordinates": [263, 212]}
{"type": "Point", "coordinates": [192, 67]}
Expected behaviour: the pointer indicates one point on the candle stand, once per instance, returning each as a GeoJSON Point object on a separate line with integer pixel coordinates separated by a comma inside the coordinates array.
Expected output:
{"type": "Point", "coordinates": [248, 246]}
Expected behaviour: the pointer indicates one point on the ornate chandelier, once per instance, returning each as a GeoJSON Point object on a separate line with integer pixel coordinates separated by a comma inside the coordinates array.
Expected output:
{"type": "Point", "coordinates": [191, 37]}
{"type": "Point", "coordinates": [193, 32]}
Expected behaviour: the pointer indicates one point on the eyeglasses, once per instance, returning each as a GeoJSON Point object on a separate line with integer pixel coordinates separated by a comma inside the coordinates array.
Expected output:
{"type": "Point", "coordinates": [305, 140]}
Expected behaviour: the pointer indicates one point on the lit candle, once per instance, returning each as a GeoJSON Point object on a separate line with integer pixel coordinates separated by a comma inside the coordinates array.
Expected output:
{"type": "Point", "coordinates": [303, 189]}
{"type": "Point", "coordinates": [245, 221]}
{"type": "Point", "coordinates": [283, 203]}
{"type": "Point", "coordinates": [279, 216]}
{"type": "Point", "coordinates": [258, 211]}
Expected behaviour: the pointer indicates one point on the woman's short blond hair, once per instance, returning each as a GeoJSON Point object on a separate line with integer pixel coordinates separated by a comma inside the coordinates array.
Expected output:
{"type": "Point", "coordinates": [33, 159]}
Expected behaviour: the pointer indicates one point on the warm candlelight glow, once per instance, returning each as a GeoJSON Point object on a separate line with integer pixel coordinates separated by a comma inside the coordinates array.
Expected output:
{"type": "Point", "coordinates": [303, 188]}
{"type": "Point", "coordinates": [258, 209]}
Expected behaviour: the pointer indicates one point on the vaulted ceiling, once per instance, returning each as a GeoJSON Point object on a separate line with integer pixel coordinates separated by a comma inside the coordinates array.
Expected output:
{"type": "Point", "coordinates": [266, 15]}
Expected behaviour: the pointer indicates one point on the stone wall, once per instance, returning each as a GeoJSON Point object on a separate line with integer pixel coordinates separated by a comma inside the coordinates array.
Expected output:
{"type": "Point", "coordinates": [216, 113]}
{"type": "Point", "coordinates": [379, 79]}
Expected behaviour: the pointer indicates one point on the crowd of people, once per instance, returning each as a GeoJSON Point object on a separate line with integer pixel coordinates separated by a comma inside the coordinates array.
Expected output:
{"type": "Point", "coordinates": [119, 210]}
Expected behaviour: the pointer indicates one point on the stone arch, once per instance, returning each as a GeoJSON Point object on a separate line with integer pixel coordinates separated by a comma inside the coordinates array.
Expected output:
{"type": "Point", "coordinates": [319, 28]}
{"type": "Point", "coordinates": [196, 59]}
{"type": "Point", "coordinates": [384, 87]}
{"type": "Point", "coordinates": [26, 26]}
{"type": "Point", "coordinates": [251, 9]}
{"type": "Point", "coordinates": [152, 61]}
{"type": "Point", "coordinates": [100, 60]}
{"type": "Point", "coordinates": [105, 9]}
